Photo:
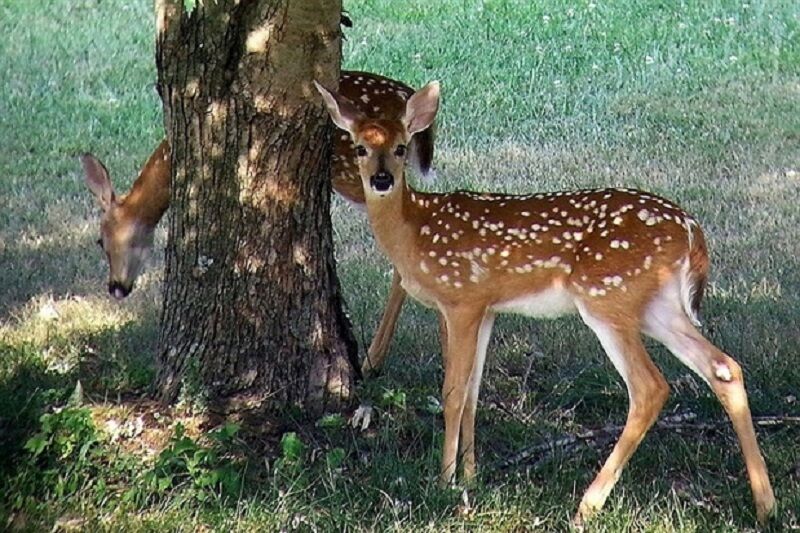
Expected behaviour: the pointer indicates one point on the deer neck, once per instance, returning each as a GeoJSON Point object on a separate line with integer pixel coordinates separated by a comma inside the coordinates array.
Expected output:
{"type": "Point", "coordinates": [149, 196]}
{"type": "Point", "coordinates": [395, 223]}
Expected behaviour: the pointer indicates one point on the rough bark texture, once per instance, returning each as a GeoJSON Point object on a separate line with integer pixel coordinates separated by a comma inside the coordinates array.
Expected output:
{"type": "Point", "coordinates": [252, 309]}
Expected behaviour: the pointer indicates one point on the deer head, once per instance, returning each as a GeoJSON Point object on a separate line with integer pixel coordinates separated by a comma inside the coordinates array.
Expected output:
{"type": "Point", "coordinates": [128, 222]}
{"type": "Point", "coordinates": [382, 144]}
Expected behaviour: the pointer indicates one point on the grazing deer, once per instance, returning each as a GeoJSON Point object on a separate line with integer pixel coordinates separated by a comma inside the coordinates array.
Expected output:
{"type": "Point", "coordinates": [128, 222]}
{"type": "Point", "coordinates": [628, 262]}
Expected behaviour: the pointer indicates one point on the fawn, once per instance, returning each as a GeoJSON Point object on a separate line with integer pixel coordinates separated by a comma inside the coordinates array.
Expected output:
{"type": "Point", "coordinates": [628, 262]}
{"type": "Point", "coordinates": [128, 222]}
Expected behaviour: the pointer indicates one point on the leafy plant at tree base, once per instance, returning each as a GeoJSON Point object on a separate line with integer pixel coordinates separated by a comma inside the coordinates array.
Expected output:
{"type": "Point", "coordinates": [332, 421]}
{"type": "Point", "coordinates": [334, 458]}
{"type": "Point", "coordinates": [290, 469]}
{"type": "Point", "coordinates": [207, 469]}
{"type": "Point", "coordinates": [393, 398]}
{"type": "Point", "coordinates": [64, 457]}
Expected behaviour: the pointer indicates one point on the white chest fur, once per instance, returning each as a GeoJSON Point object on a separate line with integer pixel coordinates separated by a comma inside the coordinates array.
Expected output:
{"type": "Point", "coordinates": [416, 291]}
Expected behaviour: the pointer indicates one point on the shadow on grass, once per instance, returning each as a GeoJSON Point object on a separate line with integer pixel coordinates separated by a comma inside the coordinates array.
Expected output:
{"type": "Point", "coordinates": [110, 363]}
{"type": "Point", "coordinates": [57, 268]}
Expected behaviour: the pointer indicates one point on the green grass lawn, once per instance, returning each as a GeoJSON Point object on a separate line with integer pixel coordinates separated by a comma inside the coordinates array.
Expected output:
{"type": "Point", "coordinates": [698, 101]}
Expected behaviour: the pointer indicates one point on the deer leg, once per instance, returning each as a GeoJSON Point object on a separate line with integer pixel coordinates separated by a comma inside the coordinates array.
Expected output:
{"type": "Point", "coordinates": [383, 336]}
{"type": "Point", "coordinates": [669, 325]}
{"type": "Point", "coordinates": [443, 334]}
{"type": "Point", "coordinates": [462, 341]}
{"type": "Point", "coordinates": [466, 443]}
{"type": "Point", "coordinates": [647, 391]}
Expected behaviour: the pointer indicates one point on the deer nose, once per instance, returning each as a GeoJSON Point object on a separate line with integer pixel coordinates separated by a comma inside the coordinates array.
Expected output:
{"type": "Point", "coordinates": [382, 181]}
{"type": "Point", "coordinates": [118, 290]}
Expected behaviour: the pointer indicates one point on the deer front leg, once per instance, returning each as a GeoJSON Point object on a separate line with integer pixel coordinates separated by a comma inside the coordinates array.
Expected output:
{"type": "Point", "coordinates": [462, 339]}
{"type": "Point", "coordinates": [443, 334]}
{"type": "Point", "coordinates": [467, 440]}
{"type": "Point", "coordinates": [379, 347]}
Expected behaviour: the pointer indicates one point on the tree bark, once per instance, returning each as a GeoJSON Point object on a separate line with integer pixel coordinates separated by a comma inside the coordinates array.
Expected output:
{"type": "Point", "coordinates": [252, 311]}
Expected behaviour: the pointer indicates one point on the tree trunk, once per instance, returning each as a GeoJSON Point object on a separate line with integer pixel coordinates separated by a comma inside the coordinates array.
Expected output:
{"type": "Point", "coordinates": [252, 312]}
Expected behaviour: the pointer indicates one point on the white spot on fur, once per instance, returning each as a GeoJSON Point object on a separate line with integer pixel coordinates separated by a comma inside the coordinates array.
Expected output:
{"type": "Point", "coordinates": [722, 372]}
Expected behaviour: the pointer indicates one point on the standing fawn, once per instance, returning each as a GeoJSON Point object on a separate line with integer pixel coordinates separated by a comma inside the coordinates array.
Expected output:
{"type": "Point", "coordinates": [626, 261]}
{"type": "Point", "coordinates": [129, 221]}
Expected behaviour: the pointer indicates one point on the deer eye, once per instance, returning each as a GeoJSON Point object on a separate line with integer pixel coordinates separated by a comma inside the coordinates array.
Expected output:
{"type": "Point", "coordinates": [361, 151]}
{"type": "Point", "coordinates": [400, 151]}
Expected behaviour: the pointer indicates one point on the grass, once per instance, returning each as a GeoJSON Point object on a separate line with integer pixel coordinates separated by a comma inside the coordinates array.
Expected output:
{"type": "Point", "coordinates": [696, 101]}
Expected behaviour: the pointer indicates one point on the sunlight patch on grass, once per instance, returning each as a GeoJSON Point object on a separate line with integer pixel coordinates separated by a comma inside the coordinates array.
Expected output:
{"type": "Point", "coordinates": [746, 291]}
{"type": "Point", "coordinates": [773, 187]}
{"type": "Point", "coordinates": [143, 428]}
{"type": "Point", "coordinates": [45, 319]}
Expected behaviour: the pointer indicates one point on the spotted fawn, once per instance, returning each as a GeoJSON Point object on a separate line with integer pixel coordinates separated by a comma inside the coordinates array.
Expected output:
{"type": "Point", "coordinates": [626, 261]}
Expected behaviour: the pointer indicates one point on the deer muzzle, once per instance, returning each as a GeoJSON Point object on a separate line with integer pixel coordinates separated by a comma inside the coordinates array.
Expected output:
{"type": "Point", "coordinates": [118, 290]}
{"type": "Point", "coordinates": [382, 182]}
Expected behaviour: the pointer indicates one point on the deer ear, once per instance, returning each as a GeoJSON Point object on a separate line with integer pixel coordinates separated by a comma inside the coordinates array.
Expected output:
{"type": "Point", "coordinates": [343, 113]}
{"type": "Point", "coordinates": [98, 181]}
{"type": "Point", "coordinates": [421, 108]}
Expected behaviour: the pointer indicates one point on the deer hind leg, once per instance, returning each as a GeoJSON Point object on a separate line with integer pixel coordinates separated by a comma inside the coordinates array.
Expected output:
{"type": "Point", "coordinates": [383, 336]}
{"type": "Point", "coordinates": [666, 322]}
{"type": "Point", "coordinates": [462, 341]}
{"type": "Point", "coordinates": [647, 391]}
{"type": "Point", "coordinates": [466, 443]}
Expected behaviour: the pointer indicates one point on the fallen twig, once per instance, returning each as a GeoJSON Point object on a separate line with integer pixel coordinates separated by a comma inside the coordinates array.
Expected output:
{"type": "Point", "coordinates": [599, 438]}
